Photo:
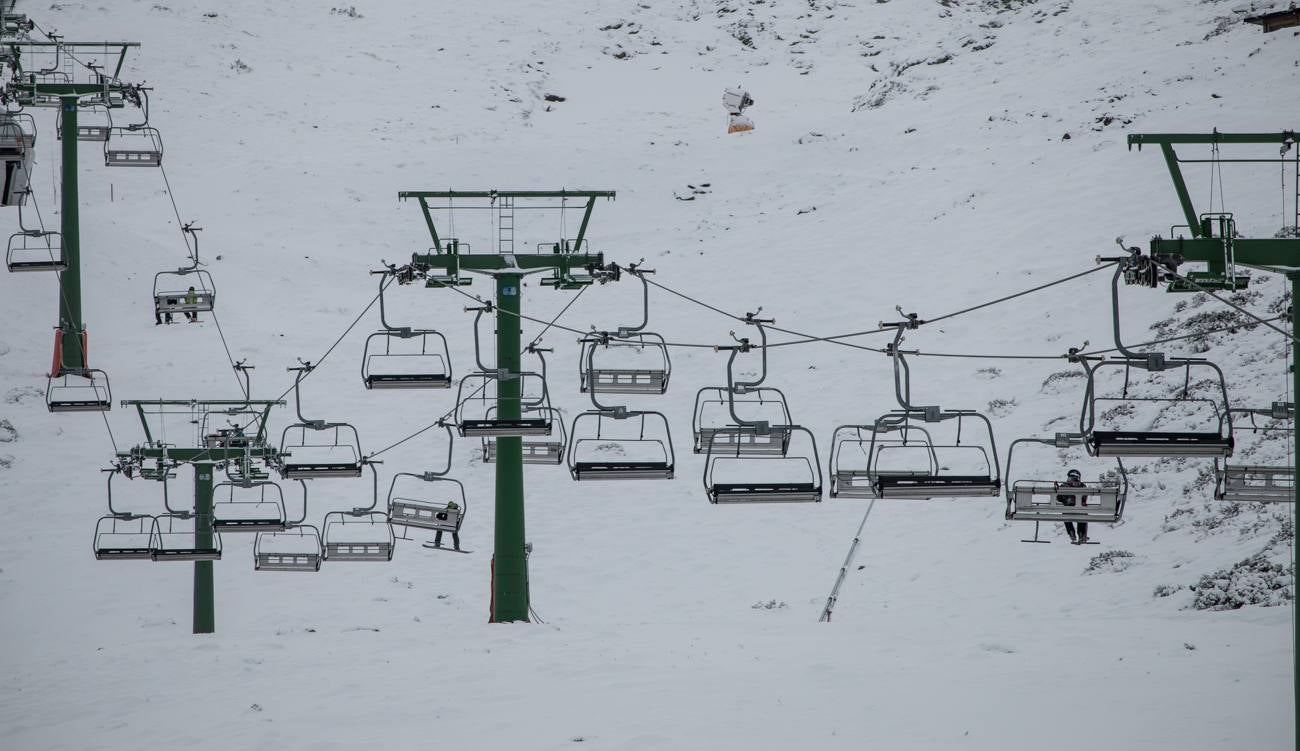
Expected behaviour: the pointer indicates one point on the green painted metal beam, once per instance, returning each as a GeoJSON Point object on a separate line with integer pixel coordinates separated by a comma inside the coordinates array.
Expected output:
{"type": "Point", "coordinates": [1180, 187]}
{"type": "Point", "coordinates": [494, 262]}
{"type": "Point", "coordinates": [582, 230]}
{"type": "Point", "coordinates": [70, 321]}
{"type": "Point", "coordinates": [505, 194]}
{"type": "Point", "coordinates": [1261, 253]}
{"type": "Point", "coordinates": [190, 455]}
{"type": "Point", "coordinates": [205, 611]}
{"type": "Point", "coordinates": [1139, 139]}
{"type": "Point", "coordinates": [64, 89]}
{"type": "Point", "coordinates": [509, 559]}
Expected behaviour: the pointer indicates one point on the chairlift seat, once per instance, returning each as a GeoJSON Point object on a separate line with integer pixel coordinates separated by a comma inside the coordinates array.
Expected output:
{"type": "Point", "coordinates": [98, 133]}
{"type": "Point", "coordinates": [626, 381]}
{"type": "Point", "coordinates": [64, 395]}
{"type": "Point", "coordinates": [291, 550]}
{"type": "Point", "coordinates": [534, 452]}
{"type": "Point", "coordinates": [310, 462]}
{"type": "Point", "coordinates": [408, 381]}
{"type": "Point", "coordinates": [174, 302]}
{"type": "Point", "coordinates": [1036, 501]}
{"type": "Point", "coordinates": [408, 512]}
{"type": "Point", "coordinates": [113, 543]}
{"type": "Point", "coordinates": [143, 149]}
{"type": "Point", "coordinates": [348, 537]}
{"type": "Point", "coordinates": [792, 492]}
{"type": "Point", "coordinates": [744, 440]}
{"type": "Point", "coordinates": [487, 428]}
{"type": "Point", "coordinates": [852, 483]}
{"type": "Point", "coordinates": [622, 470]}
{"type": "Point", "coordinates": [170, 544]}
{"type": "Point", "coordinates": [1150, 444]}
{"type": "Point", "coordinates": [42, 251]}
{"type": "Point", "coordinates": [248, 516]}
{"type": "Point", "coordinates": [923, 486]}
{"type": "Point", "coordinates": [1256, 484]}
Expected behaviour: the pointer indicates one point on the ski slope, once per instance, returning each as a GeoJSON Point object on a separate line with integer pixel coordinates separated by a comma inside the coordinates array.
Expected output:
{"type": "Point", "coordinates": [906, 153]}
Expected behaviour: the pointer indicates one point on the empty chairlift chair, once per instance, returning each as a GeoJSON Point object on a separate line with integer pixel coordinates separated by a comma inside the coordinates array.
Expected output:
{"type": "Point", "coordinates": [35, 250]}
{"type": "Point", "coordinates": [1107, 433]}
{"type": "Point", "coordinates": [536, 450]}
{"type": "Point", "coordinates": [295, 549]}
{"type": "Point", "coordinates": [121, 534]}
{"type": "Point", "coordinates": [621, 445]}
{"type": "Point", "coordinates": [185, 537]}
{"type": "Point", "coordinates": [761, 404]}
{"type": "Point", "coordinates": [637, 364]}
{"type": "Point", "coordinates": [360, 534]}
{"type": "Point", "coordinates": [859, 457]}
{"type": "Point", "coordinates": [79, 390]}
{"type": "Point", "coordinates": [735, 477]}
{"type": "Point", "coordinates": [1105, 439]}
{"type": "Point", "coordinates": [1040, 497]}
{"type": "Point", "coordinates": [311, 449]}
{"type": "Point", "coordinates": [248, 507]}
{"type": "Point", "coordinates": [404, 357]}
{"type": "Point", "coordinates": [1259, 483]}
{"type": "Point", "coordinates": [962, 468]}
{"type": "Point", "coordinates": [476, 407]}
{"type": "Point", "coordinates": [133, 146]}
{"type": "Point", "coordinates": [94, 123]}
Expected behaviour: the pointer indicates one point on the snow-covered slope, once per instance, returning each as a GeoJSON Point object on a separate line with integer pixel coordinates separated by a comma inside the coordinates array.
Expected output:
{"type": "Point", "coordinates": [907, 153]}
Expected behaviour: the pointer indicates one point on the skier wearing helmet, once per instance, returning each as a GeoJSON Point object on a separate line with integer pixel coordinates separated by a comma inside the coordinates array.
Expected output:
{"type": "Point", "coordinates": [1074, 479]}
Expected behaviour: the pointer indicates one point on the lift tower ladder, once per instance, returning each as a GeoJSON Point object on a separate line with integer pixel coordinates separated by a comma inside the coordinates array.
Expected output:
{"type": "Point", "coordinates": [442, 267]}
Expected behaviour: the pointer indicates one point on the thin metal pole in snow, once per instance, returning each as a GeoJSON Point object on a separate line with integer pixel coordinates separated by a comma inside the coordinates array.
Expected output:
{"type": "Point", "coordinates": [844, 570]}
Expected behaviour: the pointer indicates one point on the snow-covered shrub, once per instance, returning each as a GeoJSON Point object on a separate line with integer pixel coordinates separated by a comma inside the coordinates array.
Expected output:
{"type": "Point", "coordinates": [1111, 560]}
{"type": "Point", "coordinates": [1254, 581]}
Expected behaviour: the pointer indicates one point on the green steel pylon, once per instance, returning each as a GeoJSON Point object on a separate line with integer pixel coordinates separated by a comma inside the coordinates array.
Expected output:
{"type": "Point", "coordinates": [564, 259]}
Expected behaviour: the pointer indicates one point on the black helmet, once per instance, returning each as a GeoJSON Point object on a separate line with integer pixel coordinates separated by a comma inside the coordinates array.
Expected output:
{"type": "Point", "coordinates": [1074, 474]}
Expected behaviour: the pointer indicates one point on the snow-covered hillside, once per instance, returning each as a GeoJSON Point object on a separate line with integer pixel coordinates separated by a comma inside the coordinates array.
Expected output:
{"type": "Point", "coordinates": [932, 155]}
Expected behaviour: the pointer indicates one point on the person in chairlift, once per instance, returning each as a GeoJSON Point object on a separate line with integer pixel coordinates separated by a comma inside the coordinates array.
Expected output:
{"type": "Point", "coordinates": [1074, 479]}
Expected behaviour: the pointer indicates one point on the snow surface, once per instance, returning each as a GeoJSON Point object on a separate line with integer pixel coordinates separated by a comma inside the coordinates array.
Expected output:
{"type": "Point", "coordinates": [905, 153]}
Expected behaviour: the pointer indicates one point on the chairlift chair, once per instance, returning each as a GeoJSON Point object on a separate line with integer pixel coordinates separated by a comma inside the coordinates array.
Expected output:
{"type": "Point", "coordinates": [360, 534]}
{"type": "Point", "coordinates": [544, 450]}
{"type": "Point", "coordinates": [357, 536]}
{"type": "Point", "coordinates": [79, 390]}
{"type": "Point", "coordinates": [386, 366]}
{"type": "Point", "coordinates": [248, 507]}
{"type": "Point", "coordinates": [122, 537]}
{"type": "Point", "coordinates": [398, 363]}
{"type": "Point", "coordinates": [171, 293]}
{"type": "Point", "coordinates": [1152, 443]}
{"type": "Point", "coordinates": [1155, 443]}
{"type": "Point", "coordinates": [318, 449]}
{"type": "Point", "coordinates": [760, 478]}
{"type": "Point", "coordinates": [133, 146]}
{"type": "Point", "coordinates": [981, 475]}
{"type": "Point", "coordinates": [856, 460]}
{"type": "Point", "coordinates": [609, 451]}
{"type": "Point", "coordinates": [36, 251]}
{"type": "Point", "coordinates": [94, 122]}
{"type": "Point", "coordinates": [1039, 500]}
{"type": "Point", "coordinates": [643, 365]}
{"type": "Point", "coordinates": [475, 410]}
{"type": "Point", "coordinates": [297, 548]}
{"type": "Point", "coordinates": [638, 360]}
{"type": "Point", "coordinates": [427, 508]}
{"type": "Point", "coordinates": [762, 403]}
{"type": "Point", "coordinates": [182, 537]}
{"type": "Point", "coordinates": [1246, 483]}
